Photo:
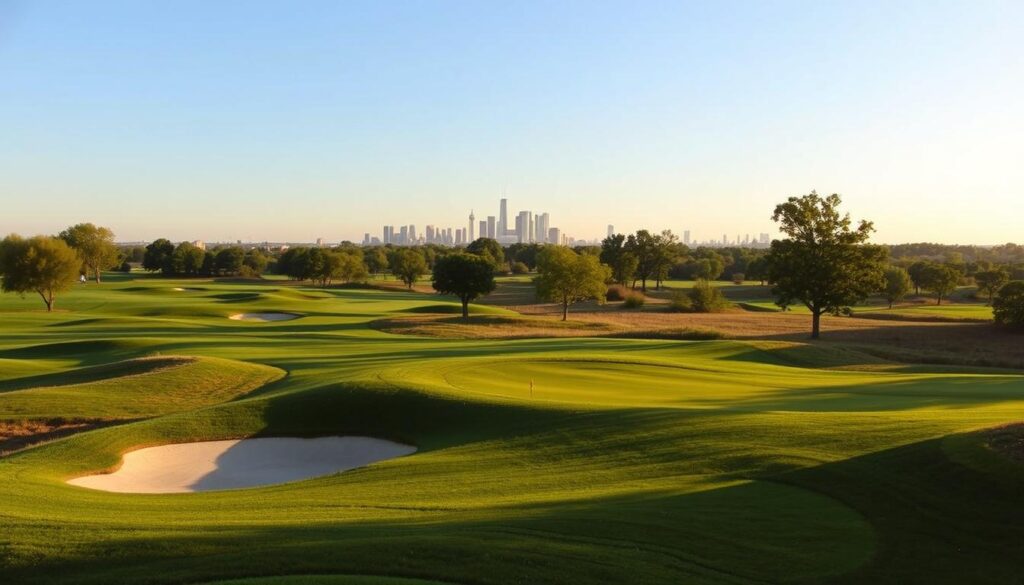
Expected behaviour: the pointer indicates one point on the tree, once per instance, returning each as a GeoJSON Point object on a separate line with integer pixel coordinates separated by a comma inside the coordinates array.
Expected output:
{"type": "Point", "coordinates": [897, 284]}
{"type": "Point", "coordinates": [823, 263]}
{"type": "Point", "coordinates": [255, 261]}
{"type": "Point", "coordinates": [916, 272]}
{"type": "Point", "coordinates": [376, 260]}
{"type": "Point", "coordinates": [644, 247]}
{"type": "Point", "coordinates": [621, 261]}
{"type": "Point", "coordinates": [187, 259]}
{"type": "Point", "coordinates": [40, 264]}
{"type": "Point", "coordinates": [757, 269]}
{"type": "Point", "coordinates": [565, 277]}
{"type": "Point", "coordinates": [1008, 305]}
{"type": "Point", "coordinates": [940, 279]}
{"type": "Point", "coordinates": [488, 248]}
{"type": "Point", "coordinates": [158, 256]}
{"type": "Point", "coordinates": [991, 281]}
{"type": "Point", "coordinates": [409, 265]}
{"type": "Point", "coordinates": [466, 276]}
{"type": "Point", "coordinates": [666, 252]}
{"type": "Point", "coordinates": [230, 260]}
{"type": "Point", "coordinates": [95, 246]}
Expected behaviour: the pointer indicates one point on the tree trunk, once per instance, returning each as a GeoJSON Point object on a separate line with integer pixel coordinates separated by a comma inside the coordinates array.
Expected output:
{"type": "Point", "coordinates": [97, 275]}
{"type": "Point", "coordinates": [48, 299]}
{"type": "Point", "coordinates": [890, 304]}
{"type": "Point", "coordinates": [815, 324]}
{"type": "Point", "coordinates": [465, 308]}
{"type": "Point", "coordinates": [939, 302]}
{"type": "Point", "coordinates": [565, 310]}
{"type": "Point", "coordinates": [643, 285]}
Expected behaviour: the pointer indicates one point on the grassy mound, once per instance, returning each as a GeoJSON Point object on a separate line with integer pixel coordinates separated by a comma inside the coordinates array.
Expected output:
{"type": "Point", "coordinates": [136, 389]}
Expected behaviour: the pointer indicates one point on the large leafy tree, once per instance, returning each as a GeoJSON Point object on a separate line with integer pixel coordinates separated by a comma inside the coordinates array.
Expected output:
{"type": "Point", "coordinates": [158, 256]}
{"type": "Point", "coordinates": [897, 284]}
{"type": "Point", "coordinates": [41, 264]}
{"type": "Point", "coordinates": [941, 279]}
{"type": "Point", "coordinates": [990, 281]}
{"type": "Point", "coordinates": [565, 277]}
{"type": "Point", "coordinates": [409, 265]}
{"type": "Point", "coordinates": [95, 246]}
{"type": "Point", "coordinates": [466, 276]}
{"type": "Point", "coordinates": [824, 262]}
{"type": "Point", "coordinates": [187, 259]}
{"type": "Point", "coordinates": [229, 261]}
{"type": "Point", "coordinates": [621, 261]}
{"type": "Point", "coordinates": [644, 246]}
{"type": "Point", "coordinates": [1008, 306]}
{"type": "Point", "coordinates": [488, 248]}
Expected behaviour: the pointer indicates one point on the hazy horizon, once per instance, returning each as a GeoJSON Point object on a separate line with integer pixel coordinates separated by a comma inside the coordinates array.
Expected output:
{"type": "Point", "coordinates": [260, 121]}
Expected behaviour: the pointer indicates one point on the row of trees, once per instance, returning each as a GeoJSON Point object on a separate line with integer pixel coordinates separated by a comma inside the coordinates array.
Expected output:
{"type": "Point", "coordinates": [187, 259]}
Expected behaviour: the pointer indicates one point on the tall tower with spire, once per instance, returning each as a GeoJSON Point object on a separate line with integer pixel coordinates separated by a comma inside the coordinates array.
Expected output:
{"type": "Point", "coordinates": [472, 225]}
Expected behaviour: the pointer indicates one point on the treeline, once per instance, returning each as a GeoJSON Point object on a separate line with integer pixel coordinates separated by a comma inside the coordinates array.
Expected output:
{"type": "Point", "coordinates": [187, 259]}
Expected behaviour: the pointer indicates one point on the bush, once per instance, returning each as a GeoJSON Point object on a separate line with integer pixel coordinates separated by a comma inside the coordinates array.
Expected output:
{"type": "Point", "coordinates": [738, 278]}
{"type": "Point", "coordinates": [634, 300]}
{"type": "Point", "coordinates": [616, 292]}
{"type": "Point", "coordinates": [680, 303]}
{"type": "Point", "coordinates": [1008, 306]}
{"type": "Point", "coordinates": [520, 268]}
{"type": "Point", "coordinates": [125, 267]}
{"type": "Point", "coordinates": [707, 298]}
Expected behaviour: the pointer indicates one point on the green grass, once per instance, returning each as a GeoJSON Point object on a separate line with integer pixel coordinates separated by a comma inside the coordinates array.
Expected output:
{"type": "Point", "coordinates": [633, 461]}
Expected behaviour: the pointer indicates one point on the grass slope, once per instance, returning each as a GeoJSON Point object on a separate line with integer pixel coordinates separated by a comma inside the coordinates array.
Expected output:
{"type": "Point", "coordinates": [652, 461]}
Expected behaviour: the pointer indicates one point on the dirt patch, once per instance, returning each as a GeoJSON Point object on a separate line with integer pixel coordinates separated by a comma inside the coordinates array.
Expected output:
{"type": "Point", "coordinates": [22, 434]}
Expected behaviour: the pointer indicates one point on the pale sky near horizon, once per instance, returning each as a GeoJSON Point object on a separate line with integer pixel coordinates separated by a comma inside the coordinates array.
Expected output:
{"type": "Point", "coordinates": [288, 121]}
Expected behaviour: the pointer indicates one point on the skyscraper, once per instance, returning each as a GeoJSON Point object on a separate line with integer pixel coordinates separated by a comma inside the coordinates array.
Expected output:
{"type": "Point", "coordinates": [412, 234]}
{"type": "Point", "coordinates": [611, 230]}
{"type": "Point", "coordinates": [491, 233]}
{"type": "Point", "coordinates": [524, 227]}
{"type": "Point", "coordinates": [686, 237]}
{"type": "Point", "coordinates": [503, 218]}
{"type": "Point", "coordinates": [483, 229]}
{"type": "Point", "coordinates": [555, 236]}
{"type": "Point", "coordinates": [472, 225]}
{"type": "Point", "coordinates": [543, 223]}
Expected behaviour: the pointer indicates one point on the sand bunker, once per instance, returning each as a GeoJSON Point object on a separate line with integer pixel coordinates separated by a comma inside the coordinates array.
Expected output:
{"type": "Point", "coordinates": [264, 316]}
{"type": "Point", "coordinates": [221, 465]}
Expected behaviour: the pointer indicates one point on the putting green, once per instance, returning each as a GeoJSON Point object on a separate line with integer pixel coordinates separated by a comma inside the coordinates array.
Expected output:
{"type": "Point", "coordinates": [633, 461]}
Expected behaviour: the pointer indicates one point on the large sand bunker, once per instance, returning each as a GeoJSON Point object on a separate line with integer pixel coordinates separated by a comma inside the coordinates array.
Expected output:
{"type": "Point", "coordinates": [264, 316]}
{"type": "Point", "coordinates": [220, 465]}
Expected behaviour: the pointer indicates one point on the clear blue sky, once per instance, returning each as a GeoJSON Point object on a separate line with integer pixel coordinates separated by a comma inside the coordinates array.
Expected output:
{"type": "Point", "coordinates": [297, 120]}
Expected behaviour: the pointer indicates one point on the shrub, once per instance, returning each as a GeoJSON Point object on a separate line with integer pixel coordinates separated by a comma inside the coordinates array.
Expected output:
{"type": "Point", "coordinates": [680, 303]}
{"type": "Point", "coordinates": [738, 278]}
{"type": "Point", "coordinates": [520, 268]}
{"type": "Point", "coordinates": [125, 267]}
{"type": "Point", "coordinates": [634, 300]}
{"type": "Point", "coordinates": [707, 298]}
{"type": "Point", "coordinates": [616, 292]}
{"type": "Point", "coordinates": [1008, 306]}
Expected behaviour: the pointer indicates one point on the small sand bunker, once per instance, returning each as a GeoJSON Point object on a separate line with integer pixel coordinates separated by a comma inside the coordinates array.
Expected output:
{"type": "Point", "coordinates": [264, 316]}
{"type": "Point", "coordinates": [221, 465]}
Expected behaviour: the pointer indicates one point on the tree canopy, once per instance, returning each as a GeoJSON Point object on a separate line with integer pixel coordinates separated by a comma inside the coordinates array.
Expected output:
{"type": "Point", "coordinates": [467, 276]}
{"type": "Point", "coordinates": [991, 281]}
{"type": "Point", "coordinates": [95, 247]}
{"type": "Point", "coordinates": [408, 264]}
{"type": "Point", "coordinates": [897, 284]}
{"type": "Point", "coordinates": [824, 263]}
{"type": "Point", "coordinates": [488, 248]}
{"type": "Point", "coordinates": [1008, 306]}
{"type": "Point", "coordinates": [565, 277]}
{"type": "Point", "coordinates": [40, 264]}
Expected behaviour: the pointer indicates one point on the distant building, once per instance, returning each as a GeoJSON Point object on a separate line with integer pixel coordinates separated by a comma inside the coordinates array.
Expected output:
{"type": "Point", "coordinates": [319, 242]}
{"type": "Point", "coordinates": [503, 218]}
{"type": "Point", "coordinates": [686, 237]}
{"type": "Point", "coordinates": [483, 229]}
{"type": "Point", "coordinates": [491, 228]}
{"type": "Point", "coordinates": [611, 230]}
{"type": "Point", "coordinates": [199, 244]}
{"type": "Point", "coordinates": [472, 225]}
{"type": "Point", "coordinates": [554, 236]}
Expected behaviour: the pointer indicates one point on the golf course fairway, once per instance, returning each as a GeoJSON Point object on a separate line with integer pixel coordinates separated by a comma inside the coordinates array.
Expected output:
{"type": "Point", "coordinates": [541, 461]}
